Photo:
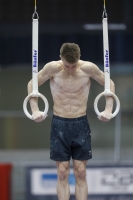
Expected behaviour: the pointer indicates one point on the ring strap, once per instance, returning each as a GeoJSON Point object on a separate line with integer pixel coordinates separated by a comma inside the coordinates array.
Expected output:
{"type": "Point", "coordinates": [35, 55]}
{"type": "Point", "coordinates": [106, 54]}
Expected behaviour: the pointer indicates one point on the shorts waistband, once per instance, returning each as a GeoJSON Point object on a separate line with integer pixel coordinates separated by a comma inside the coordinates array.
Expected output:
{"type": "Point", "coordinates": [70, 119]}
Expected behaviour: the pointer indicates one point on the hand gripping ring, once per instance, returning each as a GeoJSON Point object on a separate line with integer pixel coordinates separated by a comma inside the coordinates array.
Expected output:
{"type": "Point", "coordinates": [107, 94]}
{"type": "Point", "coordinates": [35, 95]}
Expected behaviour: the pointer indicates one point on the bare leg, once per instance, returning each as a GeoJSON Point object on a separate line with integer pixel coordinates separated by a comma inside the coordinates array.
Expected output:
{"type": "Point", "coordinates": [63, 191]}
{"type": "Point", "coordinates": [81, 189]}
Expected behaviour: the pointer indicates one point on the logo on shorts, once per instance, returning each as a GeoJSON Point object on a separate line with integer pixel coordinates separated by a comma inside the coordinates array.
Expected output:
{"type": "Point", "coordinates": [35, 58]}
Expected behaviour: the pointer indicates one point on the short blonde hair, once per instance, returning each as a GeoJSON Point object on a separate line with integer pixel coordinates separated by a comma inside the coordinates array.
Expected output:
{"type": "Point", "coordinates": [70, 52]}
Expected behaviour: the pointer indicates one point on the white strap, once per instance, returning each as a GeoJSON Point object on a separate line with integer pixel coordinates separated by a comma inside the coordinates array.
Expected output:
{"type": "Point", "coordinates": [106, 55]}
{"type": "Point", "coordinates": [35, 55]}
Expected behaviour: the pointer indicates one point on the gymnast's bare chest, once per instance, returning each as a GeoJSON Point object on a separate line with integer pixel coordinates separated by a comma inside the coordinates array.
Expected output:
{"type": "Point", "coordinates": [69, 83]}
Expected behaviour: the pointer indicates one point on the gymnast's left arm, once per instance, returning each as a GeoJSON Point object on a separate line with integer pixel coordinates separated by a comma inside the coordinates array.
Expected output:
{"type": "Point", "coordinates": [99, 76]}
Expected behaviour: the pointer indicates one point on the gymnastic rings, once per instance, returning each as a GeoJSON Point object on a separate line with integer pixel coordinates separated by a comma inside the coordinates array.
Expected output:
{"type": "Point", "coordinates": [105, 93]}
{"type": "Point", "coordinates": [35, 92]}
{"type": "Point", "coordinates": [35, 95]}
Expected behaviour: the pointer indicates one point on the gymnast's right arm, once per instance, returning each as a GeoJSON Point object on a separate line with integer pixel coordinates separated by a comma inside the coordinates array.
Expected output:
{"type": "Point", "coordinates": [43, 76]}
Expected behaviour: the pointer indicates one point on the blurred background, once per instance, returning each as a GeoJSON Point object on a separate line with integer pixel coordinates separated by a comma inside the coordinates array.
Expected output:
{"type": "Point", "coordinates": [24, 144]}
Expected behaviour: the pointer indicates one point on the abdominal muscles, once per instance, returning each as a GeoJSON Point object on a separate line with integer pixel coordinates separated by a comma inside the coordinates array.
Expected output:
{"type": "Point", "coordinates": [70, 96]}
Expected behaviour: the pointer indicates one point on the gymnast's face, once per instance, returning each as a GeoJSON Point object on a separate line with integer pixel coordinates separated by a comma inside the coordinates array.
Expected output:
{"type": "Point", "coordinates": [69, 67]}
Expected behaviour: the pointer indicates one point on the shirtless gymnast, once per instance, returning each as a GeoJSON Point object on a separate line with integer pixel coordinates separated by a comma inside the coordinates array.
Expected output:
{"type": "Point", "coordinates": [70, 130]}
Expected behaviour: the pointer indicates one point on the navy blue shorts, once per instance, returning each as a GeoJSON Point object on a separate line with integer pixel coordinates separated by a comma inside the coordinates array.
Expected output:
{"type": "Point", "coordinates": [70, 137]}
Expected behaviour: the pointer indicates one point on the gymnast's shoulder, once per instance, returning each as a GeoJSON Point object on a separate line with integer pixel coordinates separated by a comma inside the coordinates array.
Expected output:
{"type": "Point", "coordinates": [52, 67]}
{"type": "Point", "coordinates": [88, 67]}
